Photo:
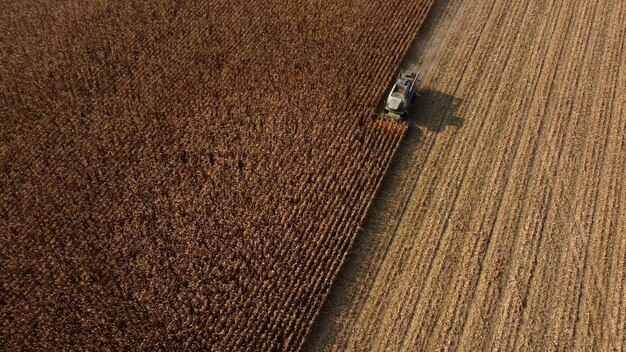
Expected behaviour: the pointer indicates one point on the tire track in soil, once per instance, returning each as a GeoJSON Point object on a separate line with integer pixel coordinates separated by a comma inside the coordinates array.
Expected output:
{"type": "Point", "coordinates": [592, 297]}
{"type": "Point", "coordinates": [534, 154]}
{"type": "Point", "coordinates": [395, 301]}
{"type": "Point", "coordinates": [445, 265]}
{"type": "Point", "coordinates": [565, 145]}
{"type": "Point", "coordinates": [593, 148]}
{"type": "Point", "coordinates": [510, 169]}
{"type": "Point", "coordinates": [559, 142]}
{"type": "Point", "coordinates": [454, 330]}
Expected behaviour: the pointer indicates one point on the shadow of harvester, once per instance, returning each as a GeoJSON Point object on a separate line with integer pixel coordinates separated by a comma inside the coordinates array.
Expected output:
{"type": "Point", "coordinates": [434, 111]}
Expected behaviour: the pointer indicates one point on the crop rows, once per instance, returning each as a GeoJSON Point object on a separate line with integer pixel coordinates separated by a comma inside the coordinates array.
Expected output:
{"type": "Point", "coordinates": [512, 236]}
{"type": "Point", "coordinates": [186, 175]}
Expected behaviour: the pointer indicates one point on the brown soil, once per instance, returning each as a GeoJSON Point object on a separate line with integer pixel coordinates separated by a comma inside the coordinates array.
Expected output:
{"type": "Point", "coordinates": [507, 231]}
{"type": "Point", "coordinates": [187, 175]}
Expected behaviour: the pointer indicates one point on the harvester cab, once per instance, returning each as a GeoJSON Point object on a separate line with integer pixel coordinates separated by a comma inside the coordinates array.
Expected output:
{"type": "Point", "coordinates": [399, 99]}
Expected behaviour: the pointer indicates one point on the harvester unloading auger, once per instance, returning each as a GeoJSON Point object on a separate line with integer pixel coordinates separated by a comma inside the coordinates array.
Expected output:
{"type": "Point", "coordinates": [399, 99]}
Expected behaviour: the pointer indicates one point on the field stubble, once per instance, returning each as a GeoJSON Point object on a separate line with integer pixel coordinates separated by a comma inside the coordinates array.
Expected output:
{"type": "Point", "coordinates": [508, 232]}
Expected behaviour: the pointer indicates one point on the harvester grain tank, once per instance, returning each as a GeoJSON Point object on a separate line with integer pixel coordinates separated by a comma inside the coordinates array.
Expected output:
{"type": "Point", "coordinates": [401, 94]}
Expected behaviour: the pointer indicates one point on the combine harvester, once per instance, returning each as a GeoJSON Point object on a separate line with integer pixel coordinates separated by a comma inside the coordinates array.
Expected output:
{"type": "Point", "coordinates": [399, 99]}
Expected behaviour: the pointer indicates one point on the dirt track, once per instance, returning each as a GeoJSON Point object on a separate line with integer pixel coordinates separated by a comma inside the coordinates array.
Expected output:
{"type": "Point", "coordinates": [501, 224]}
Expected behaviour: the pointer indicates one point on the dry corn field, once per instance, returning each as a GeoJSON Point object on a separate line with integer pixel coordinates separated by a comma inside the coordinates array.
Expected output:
{"type": "Point", "coordinates": [193, 175]}
{"type": "Point", "coordinates": [508, 231]}
{"type": "Point", "coordinates": [186, 174]}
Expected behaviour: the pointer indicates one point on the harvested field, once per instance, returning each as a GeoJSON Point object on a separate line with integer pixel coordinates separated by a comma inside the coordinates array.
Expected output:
{"type": "Point", "coordinates": [508, 231]}
{"type": "Point", "coordinates": [183, 175]}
